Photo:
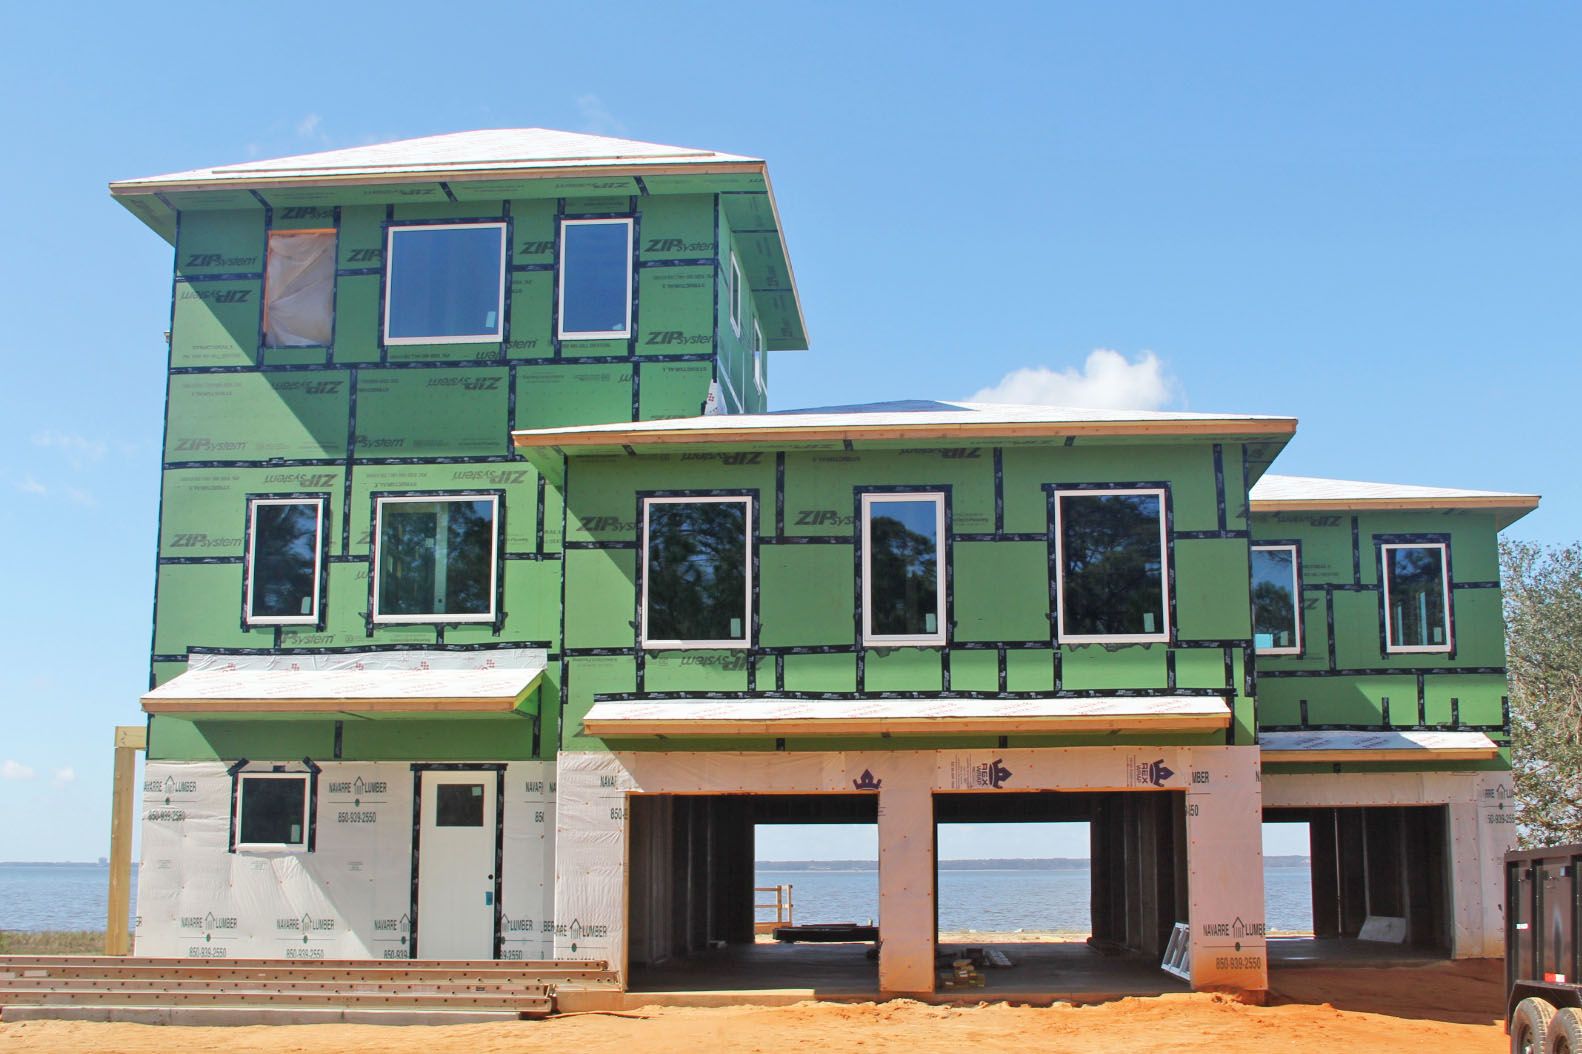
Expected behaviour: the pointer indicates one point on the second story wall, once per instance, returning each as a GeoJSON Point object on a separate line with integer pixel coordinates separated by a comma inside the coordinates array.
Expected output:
{"type": "Point", "coordinates": [998, 633]}
{"type": "Point", "coordinates": [1434, 655]}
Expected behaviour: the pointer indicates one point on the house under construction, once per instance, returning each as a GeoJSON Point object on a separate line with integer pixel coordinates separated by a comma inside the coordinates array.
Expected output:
{"type": "Point", "coordinates": [495, 609]}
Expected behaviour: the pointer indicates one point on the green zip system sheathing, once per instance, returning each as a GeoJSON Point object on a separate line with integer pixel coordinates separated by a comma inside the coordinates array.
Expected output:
{"type": "Point", "coordinates": [1344, 678]}
{"type": "Point", "coordinates": [998, 563]}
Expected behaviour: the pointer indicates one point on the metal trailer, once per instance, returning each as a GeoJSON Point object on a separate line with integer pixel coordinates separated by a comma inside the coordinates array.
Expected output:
{"type": "Point", "coordinates": [1543, 907]}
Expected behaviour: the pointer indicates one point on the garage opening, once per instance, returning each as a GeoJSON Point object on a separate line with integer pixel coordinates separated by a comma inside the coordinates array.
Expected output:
{"type": "Point", "coordinates": [1379, 886]}
{"type": "Point", "coordinates": [693, 884]}
{"type": "Point", "coordinates": [1102, 928]}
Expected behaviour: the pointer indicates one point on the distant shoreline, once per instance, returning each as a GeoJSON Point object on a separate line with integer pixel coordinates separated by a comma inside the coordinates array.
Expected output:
{"type": "Point", "coordinates": [1017, 864]}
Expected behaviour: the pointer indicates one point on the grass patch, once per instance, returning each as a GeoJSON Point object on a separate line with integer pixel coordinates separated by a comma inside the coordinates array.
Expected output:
{"type": "Point", "coordinates": [51, 942]}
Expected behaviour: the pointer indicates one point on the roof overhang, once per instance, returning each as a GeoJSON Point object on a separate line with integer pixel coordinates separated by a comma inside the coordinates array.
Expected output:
{"type": "Point", "coordinates": [492, 170]}
{"type": "Point", "coordinates": [369, 685]}
{"type": "Point", "coordinates": [545, 447]}
{"type": "Point", "coordinates": [1405, 745]}
{"type": "Point", "coordinates": [858, 717]}
{"type": "Point", "coordinates": [1507, 509]}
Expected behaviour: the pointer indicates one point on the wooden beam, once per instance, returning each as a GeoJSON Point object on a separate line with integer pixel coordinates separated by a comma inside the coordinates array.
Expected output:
{"type": "Point", "coordinates": [129, 739]}
{"type": "Point", "coordinates": [616, 728]}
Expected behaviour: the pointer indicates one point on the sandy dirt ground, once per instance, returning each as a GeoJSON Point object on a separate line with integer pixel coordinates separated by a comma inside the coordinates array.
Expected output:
{"type": "Point", "coordinates": [1451, 1008]}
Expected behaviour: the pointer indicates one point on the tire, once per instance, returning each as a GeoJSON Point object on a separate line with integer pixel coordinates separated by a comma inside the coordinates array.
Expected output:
{"type": "Point", "coordinates": [1530, 1026]}
{"type": "Point", "coordinates": [1565, 1032]}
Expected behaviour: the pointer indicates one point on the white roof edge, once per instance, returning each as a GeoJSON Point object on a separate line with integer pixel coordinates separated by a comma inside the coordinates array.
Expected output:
{"type": "Point", "coordinates": [1274, 487]}
{"type": "Point", "coordinates": [1428, 741]}
{"type": "Point", "coordinates": [967, 413]}
{"type": "Point", "coordinates": [488, 151]}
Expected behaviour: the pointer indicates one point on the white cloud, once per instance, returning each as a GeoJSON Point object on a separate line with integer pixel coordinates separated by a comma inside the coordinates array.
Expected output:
{"type": "Point", "coordinates": [80, 451]}
{"type": "Point", "coordinates": [14, 770]}
{"type": "Point", "coordinates": [64, 776]}
{"type": "Point", "coordinates": [1107, 381]}
{"type": "Point", "coordinates": [29, 485]}
{"type": "Point", "coordinates": [78, 496]}
{"type": "Point", "coordinates": [597, 118]}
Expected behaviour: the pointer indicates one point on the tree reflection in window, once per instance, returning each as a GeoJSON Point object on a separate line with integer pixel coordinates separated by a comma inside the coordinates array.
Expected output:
{"type": "Point", "coordinates": [284, 560]}
{"type": "Point", "coordinates": [696, 571]}
{"type": "Point", "coordinates": [436, 558]}
{"type": "Point", "coordinates": [1274, 598]}
{"type": "Point", "coordinates": [903, 567]}
{"type": "Point", "coordinates": [1417, 596]}
{"type": "Point", "coordinates": [1112, 576]}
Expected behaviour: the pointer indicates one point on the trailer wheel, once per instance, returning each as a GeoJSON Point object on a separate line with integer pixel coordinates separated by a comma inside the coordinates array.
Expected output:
{"type": "Point", "coordinates": [1565, 1032]}
{"type": "Point", "coordinates": [1530, 1026]}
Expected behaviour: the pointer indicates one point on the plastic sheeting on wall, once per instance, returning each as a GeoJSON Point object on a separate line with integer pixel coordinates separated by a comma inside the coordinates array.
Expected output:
{"type": "Point", "coordinates": [349, 897]}
{"type": "Point", "coordinates": [299, 289]}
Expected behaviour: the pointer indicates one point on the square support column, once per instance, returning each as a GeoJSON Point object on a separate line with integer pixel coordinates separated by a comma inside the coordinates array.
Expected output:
{"type": "Point", "coordinates": [1224, 823]}
{"type": "Point", "coordinates": [907, 876]}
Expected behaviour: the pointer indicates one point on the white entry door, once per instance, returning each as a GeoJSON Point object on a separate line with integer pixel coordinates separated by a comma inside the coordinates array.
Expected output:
{"type": "Point", "coordinates": [455, 885]}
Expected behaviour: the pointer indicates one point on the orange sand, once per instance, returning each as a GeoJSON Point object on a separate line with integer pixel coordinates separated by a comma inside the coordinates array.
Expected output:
{"type": "Point", "coordinates": [1451, 1008]}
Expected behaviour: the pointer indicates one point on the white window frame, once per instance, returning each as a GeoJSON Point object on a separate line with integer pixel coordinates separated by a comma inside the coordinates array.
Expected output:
{"type": "Point", "coordinates": [1161, 637]}
{"type": "Point", "coordinates": [306, 779]}
{"type": "Point", "coordinates": [318, 564]}
{"type": "Point", "coordinates": [734, 284]}
{"type": "Point", "coordinates": [389, 271]}
{"type": "Point", "coordinates": [758, 356]}
{"type": "Point", "coordinates": [1296, 600]}
{"type": "Point", "coordinates": [939, 636]}
{"type": "Point", "coordinates": [1390, 646]}
{"type": "Point", "coordinates": [651, 644]}
{"type": "Point", "coordinates": [561, 331]}
{"type": "Point", "coordinates": [494, 558]}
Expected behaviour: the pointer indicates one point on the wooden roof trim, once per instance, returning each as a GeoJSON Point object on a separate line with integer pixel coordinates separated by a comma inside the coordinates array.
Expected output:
{"type": "Point", "coordinates": [833, 433]}
{"type": "Point", "coordinates": [618, 728]}
{"type": "Point", "coordinates": [135, 187]}
{"type": "Point", "coordinates": [1513, 501]}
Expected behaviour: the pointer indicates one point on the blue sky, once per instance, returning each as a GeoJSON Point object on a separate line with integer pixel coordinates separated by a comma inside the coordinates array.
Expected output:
{"type": "Point", "coordinates": [1363, 215]}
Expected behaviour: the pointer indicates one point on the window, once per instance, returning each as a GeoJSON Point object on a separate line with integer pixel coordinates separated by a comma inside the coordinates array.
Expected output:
{"type": "Point", "coordinates": [435, 559]}
{"type": "Point", "coordinates": [903, 556]}
{"type": "Point", "coordinates": [1276, 600]}
{"type": "Point", "coordinates": [595, 279]}
{"type": "Point", "coordinates": [458, 805]}
{"type": "Point", "coordinates": [758, 356]}
{"type": "Point", "coordinates": [299, 289]}
{"type": "Point", "coordinates": [697, 572]}
{"type": "Point", "coordinates": [284, 560]}
{"type": "Point", "coordinates": [272, 810]}
{"type": "Point", "coordinates": [734, 295]}
{"type": "Point", "coordinates": [1110, 566]}
{"type": "Point", "coordinates": [1416, 597]}
{"type": "Point", "coordinates": [445, 283]}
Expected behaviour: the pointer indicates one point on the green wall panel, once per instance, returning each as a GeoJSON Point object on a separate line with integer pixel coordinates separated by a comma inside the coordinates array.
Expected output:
{"type": "Point", "coordinates": [672, 389]}
{"type": "Point", "coordinates": [1209, 575]}
{"type": "Point", "coordinates": [556, 396]}
{"type": "Point", "coordinates": [676, 313]}
{"type": "Point", "coordinates": [1002, 591]}
{"type": "Point", "coordinates": [1092, 667]}
{"type": "Point", "coordinates": [201, 604]}
{"type": "Point", "coordinates": [599, 611]}
{"type": "Point", "coordinates": [532, 328]}
{"type": "Point", "coordinates": [902, 670]}
{"type": "Point", "coordinates": [821, 673]}
{"type": "Point", "coordinates": [257, 417]}
{"type": "Point", "coordinates": [1029, 670]}
{"type": "Point", "coordinates": [695, 671]}
{"type": "Point", "coordinates": [216, 323]}
{"type": "Point", "coordinates": [221, 242]}
{"type": "Point", "coordinates": [974, 671]}
{"type": "Point", "coordinates": [432, 413]}
{"type": "Point", "coordinates": [358, 326]}
{"type": "Point", "coordinates": [792, 613]}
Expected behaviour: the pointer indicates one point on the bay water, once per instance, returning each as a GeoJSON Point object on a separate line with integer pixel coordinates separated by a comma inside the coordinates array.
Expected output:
{"type": "Point", "coordinates": [74, 896]}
